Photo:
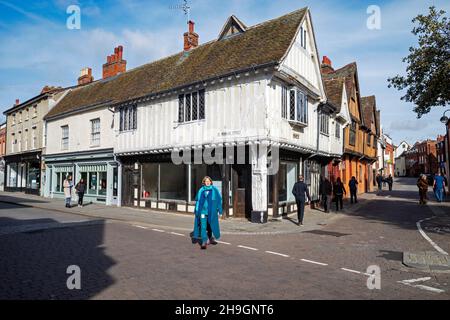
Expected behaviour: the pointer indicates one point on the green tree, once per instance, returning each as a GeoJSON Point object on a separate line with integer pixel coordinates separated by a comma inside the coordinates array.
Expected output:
{"type": "Point", "coordinates": [427, 80]}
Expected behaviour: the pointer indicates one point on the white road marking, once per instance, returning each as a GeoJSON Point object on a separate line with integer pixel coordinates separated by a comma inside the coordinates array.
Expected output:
{"type": "Point", "coordinates": [416, 280]}
{"type": "Point", "coordinates": [315, 262]}
{"type": "Point", "coordinates": [141, 227]}
{"type": "Point", "coordinates": [157, 230]}
{"type": "Point", "coordinates": [350, 270]}
{"type": "Point", "coordinates": [249, 248]}
{"type": "Point", "coordinates": [222, 242]}
{"type": "Point", "coordinates": [429, 288]}
{"type": "Point", "coordinates": [435, 246]}
{"type": "Point", "coordinates": [420, 286]}
{"type": "Point", "coordinates": [177, 234]}
{"type": "Point", "coordinates": [278, 254]}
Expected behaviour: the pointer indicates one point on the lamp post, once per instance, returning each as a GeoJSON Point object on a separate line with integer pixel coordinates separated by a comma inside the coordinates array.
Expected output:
{"type": "Point", "coordinates": [444, 119]}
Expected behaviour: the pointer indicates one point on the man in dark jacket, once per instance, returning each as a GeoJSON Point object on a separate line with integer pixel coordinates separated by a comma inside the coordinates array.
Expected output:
{"type": "Point", "coordinates": [326, 193]}
{"type": "Point", "coordinates": [353, 186]}
{"type": "Point", "coordinates": [301, 193]}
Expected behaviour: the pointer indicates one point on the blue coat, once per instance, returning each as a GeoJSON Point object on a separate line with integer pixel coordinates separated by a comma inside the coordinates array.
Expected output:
{"type": "Point", "coordinates": [214, 209]}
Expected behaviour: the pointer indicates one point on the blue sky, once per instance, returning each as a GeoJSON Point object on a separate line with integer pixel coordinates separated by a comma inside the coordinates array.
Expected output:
{"type": "Point", "coordinates": [37, 49]}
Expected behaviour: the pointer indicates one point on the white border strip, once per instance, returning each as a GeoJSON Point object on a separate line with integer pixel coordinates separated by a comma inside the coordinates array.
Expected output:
{"type": "Point", "coordinates": [249, 248]}
{"type": "Point", "coordinates": [278, 254]}
{"type": "Point", "coordinates": [435, 246]}
{"type": "Point", "coordinates": [157, 230]}
{"type": "Point", "coordinates": [315, 262]}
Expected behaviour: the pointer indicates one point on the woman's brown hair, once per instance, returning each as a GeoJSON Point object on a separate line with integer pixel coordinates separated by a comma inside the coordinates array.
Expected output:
{"type": "Point", "coordinates": [207, 178]}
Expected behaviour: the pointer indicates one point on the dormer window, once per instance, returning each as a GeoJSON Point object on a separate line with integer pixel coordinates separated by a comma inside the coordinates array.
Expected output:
{"type": "Point", "coordinates": [232, 27]}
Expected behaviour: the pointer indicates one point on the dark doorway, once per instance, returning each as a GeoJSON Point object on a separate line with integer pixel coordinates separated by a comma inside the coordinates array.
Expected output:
{"type": "Point", "coordinates": [127, 185]}
{"type": "Point", "coordinates": [242, 191]}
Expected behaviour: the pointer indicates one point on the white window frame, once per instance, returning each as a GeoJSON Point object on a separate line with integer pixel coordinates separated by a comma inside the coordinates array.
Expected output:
{"type": "Point", "coordinates": [324, 123]}
{"type": "Point", "coordinates": [65, 137]}
{"type": "Point", "coordinates": [301, 104]}
{"type": "Point", "coordinates": [95, 132]}
{"type": "Point", "coordinates": [338, 130]}
{"type": "Point", "coordinates": [33, 138]}
{"type": "Point", "coordinates": [186, 110]}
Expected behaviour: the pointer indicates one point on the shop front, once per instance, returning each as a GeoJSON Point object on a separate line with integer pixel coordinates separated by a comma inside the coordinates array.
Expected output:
{"type": "Point", "coordinates": [98, 170]}
{"type": "Point", "coordinates": [23, 173]}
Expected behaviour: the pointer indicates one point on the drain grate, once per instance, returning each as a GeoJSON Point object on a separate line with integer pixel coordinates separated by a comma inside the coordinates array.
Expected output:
{"type": "Point", "coordinates": [328, 233]}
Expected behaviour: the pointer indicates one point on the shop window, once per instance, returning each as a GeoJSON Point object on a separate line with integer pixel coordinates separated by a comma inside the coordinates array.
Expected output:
{"type": "Point", "coordinates": [173, 182]}
{"type": "Point", "coordinates": [102, 186]}
{"type": "Point", "coordinates": [92, 183]}
{"type": "Point", "coordinates": [150, 180]}
{"type": "Point", "coordinates": [33, 176]}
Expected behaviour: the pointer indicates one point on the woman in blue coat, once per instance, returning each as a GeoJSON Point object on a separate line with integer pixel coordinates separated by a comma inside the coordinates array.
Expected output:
{"type": "Point", "coordinates": [208, 207]}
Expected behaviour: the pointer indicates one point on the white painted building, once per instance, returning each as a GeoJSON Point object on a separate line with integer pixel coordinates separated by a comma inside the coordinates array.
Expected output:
{"type": "Point", "coordinates": [255, 92]}
{"type": "Point", "coordinates": [79, 143]}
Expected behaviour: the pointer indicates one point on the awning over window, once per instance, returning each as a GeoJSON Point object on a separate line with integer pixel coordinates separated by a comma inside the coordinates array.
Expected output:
{"type": "Point", "coordinates": [93, 168]}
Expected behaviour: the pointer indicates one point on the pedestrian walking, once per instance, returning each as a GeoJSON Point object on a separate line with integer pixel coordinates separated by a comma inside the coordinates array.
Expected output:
{"type": "Point", "coordinates": [208, 207]}
{"type": "Point", "coordinates": [384, 180]}
{"type": "Point", "coordinates": [353, 186]}
{"type": "Point", "coordinates": [422, 184]}
{"type": "Point", "coordinates": [81, 189]}
{"type": "Point", "coordinates": [301, 193]}
{"type": "Point", "coordinates": [439, 187]}
{"type": "Point", "coordinates": [68, 185]}
{"type": "Point", "coordinates": [339, 191]}
{"type": "Point", "coordinates": [327, 194]}
{"type": "Point", "coordinates": [390, 182]}
{"type": "Point", "coordinates": [379, 182]}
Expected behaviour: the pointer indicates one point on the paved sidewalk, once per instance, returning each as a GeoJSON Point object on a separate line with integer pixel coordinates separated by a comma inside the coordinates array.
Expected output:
{"type": "Point", "coordinates": [314, 219]}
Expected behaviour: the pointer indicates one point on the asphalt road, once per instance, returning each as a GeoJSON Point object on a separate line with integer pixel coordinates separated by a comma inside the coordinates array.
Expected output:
{"type": "Point", "coordinates": [124, 261]}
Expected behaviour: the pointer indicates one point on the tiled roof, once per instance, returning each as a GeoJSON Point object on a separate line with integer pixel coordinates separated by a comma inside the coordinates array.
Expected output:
{"type": "Point", "coordinates": [259, 45]}
{"type": "Point", "coordinates": [348, 72]}
{"type": "Point", "coordinates": [368, 107]}
{"type": "Point", "coordinates": [333, 89]}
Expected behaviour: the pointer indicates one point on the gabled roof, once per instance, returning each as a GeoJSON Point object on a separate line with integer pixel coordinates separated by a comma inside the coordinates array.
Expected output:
{"type": "Point", "coordinates": [333, 90]}
{"type": "Point", "coordinates": [232, 26]}
{"type": "Point", "coordinates": [348, 72]}
{"type": "Point", "coordinates": [260, 45]}
{"type": "Point", "coordinates": [368, 106]}
{"type": "Point", "coordinates": [378, 122]}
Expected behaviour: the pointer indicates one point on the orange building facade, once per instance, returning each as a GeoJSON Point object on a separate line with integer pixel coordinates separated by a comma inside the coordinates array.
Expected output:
{"type": "Point", "coordinates": [361, 136]}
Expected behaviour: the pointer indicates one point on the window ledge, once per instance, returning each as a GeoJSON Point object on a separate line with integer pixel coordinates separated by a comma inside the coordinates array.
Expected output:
{"type": "Point", "coordinates": [127, 131]}
{"type": "Point", "coordinates": [297, 123]}
{"type": "Point", "coordinates": [325, 134]}
{"type": "Point", "coordinates": [190, 122]}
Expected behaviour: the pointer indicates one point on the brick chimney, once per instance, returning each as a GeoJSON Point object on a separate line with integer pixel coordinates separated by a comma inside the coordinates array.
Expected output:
{"type": "Point", "coordinates": [85, 76]}
{"type": "Point", "coordinates": [114, 63]}
{"type": "Point", "coordinates": [190, 38]}
{"type": "Point", "coordinates": [17, 102]}
{"type": "Point", "coordinates": [326, 65]}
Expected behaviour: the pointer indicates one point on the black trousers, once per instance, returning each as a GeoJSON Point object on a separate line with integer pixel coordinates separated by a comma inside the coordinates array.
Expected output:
{"type": "Point", "coordinates": [353, 196]}
{"type": "Point", "coordinates": [390, 186]}
{"type": "Point", "coordinates": [80, 198]}
{"type": "Point", "coordinates": [300, 210]}
{"type": "Point", "coordinates": [339, 200]}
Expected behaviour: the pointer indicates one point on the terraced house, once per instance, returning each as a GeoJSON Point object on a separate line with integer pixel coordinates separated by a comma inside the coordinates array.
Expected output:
{"type": "Point", "coordinates": [252, 96]}
{"type": "Point", "coordinates": [362, 134]}
{"type": "Point", "coordinates": [25, 141]}
{"type": "Point", "coordinates": [82, 139]}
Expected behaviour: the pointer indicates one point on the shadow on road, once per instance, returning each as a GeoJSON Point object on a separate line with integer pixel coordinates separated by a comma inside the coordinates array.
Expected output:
{"type": "Point", "coordinates": [37, 260]}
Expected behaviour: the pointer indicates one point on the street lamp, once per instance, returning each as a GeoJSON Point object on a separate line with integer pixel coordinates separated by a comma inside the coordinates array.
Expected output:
{"type": "Point", "coordinates": [444, 118]}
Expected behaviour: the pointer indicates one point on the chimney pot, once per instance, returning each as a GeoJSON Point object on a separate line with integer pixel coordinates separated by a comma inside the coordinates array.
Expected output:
{"type": "Point", "coordinates": [190, 37]}
{"type": "Point", "coordinates": [326, 60]}
{"type": "Point", "coordinates": [115, 63]}
{"type": "Point", "coordinates": [85, 76]}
